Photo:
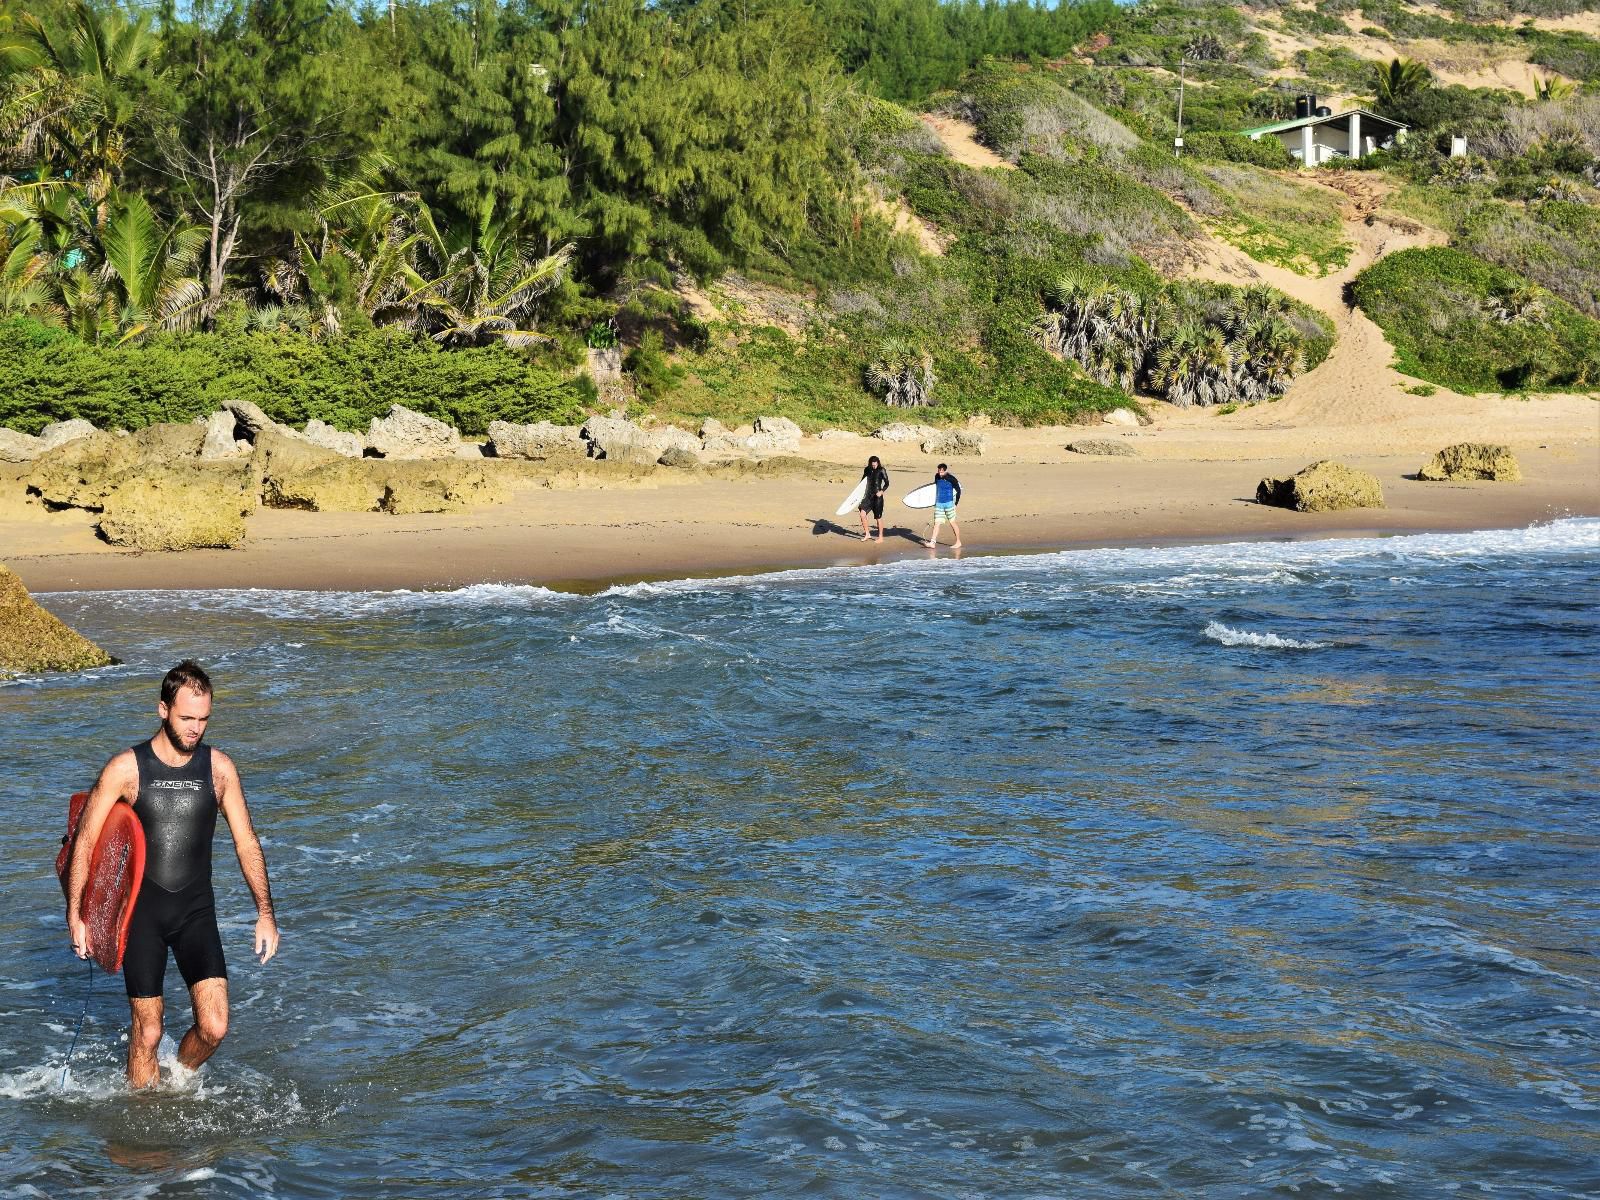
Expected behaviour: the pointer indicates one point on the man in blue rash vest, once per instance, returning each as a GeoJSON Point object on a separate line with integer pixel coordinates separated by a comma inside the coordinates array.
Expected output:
{"type": "Point", "coordinates": [946, 495]}
{"type": "Point", "coordinates": [176, 786]}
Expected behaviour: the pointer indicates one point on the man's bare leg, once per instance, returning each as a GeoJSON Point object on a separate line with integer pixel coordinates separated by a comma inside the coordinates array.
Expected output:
{"type": "Point", "coordinates": [143, 1039]}
{"type": "Point", "coordinates": [933, 538]}
{"type": "Point", "coordinates": [955, 528]}
{"type": "Point", "coordinates": [210, 999]}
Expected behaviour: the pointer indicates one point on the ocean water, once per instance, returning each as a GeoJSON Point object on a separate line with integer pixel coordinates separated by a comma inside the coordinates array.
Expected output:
{"type": "Point", "coordinates": [1226, 871]}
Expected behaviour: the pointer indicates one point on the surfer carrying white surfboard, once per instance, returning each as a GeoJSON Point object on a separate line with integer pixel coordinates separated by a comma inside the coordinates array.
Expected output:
{"type": "Point", "coordinates": [176, 786]}
{"type": "Point", "coordinates": [877, 484]}
{"type": "Point", "coordinates": [946, 495]}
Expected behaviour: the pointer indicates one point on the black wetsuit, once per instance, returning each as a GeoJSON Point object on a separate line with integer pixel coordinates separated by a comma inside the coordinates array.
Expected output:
{"type": "Point", "coordinates": [877, 484]}
{"type": "Point", "coordinates": [177, 807]}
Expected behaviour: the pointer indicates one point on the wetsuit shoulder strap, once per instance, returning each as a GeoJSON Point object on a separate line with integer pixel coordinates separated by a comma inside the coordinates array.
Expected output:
{"type": "Point", "coordinates": [143, 753]}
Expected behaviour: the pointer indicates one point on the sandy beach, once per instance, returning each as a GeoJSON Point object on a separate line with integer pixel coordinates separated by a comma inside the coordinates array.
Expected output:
{"type": "Point", "coordinates": [1195, 480]}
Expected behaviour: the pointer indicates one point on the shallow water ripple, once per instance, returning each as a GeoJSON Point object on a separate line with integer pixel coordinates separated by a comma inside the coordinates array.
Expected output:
{"type": "Point", "coordinates": [1210, 871]}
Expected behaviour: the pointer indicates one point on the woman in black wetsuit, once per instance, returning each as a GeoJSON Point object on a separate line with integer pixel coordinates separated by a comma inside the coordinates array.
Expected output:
{"type": "Point", "coordinates": [872, 500]}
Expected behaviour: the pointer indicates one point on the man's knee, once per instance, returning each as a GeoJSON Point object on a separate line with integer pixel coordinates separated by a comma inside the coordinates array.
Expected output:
{"type": "Point", "coordinates": [146, 1032]}
{"type": "Point", "coordinates": [210, 998]}
{"type": "Point", "coordinates": [212, 1026]}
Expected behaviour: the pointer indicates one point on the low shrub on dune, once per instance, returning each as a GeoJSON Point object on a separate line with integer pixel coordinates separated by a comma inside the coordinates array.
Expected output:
{"type": "Point", "coordinates": [1459, 321]}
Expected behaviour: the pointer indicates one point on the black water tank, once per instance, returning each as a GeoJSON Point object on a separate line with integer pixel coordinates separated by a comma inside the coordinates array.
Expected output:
{"type": "Point", "coordinates": [1305, 105]}
{"type": "Point", "coordinates": [1324, 111]}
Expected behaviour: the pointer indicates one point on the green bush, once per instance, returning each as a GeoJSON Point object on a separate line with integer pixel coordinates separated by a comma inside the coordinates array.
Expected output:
{"type": "Point", "coordinates": [653, 374]}
{"type": "Point", "coordinates": [47, 374]}
{"type": "Point", "coordinates": [1335, 68]}
{"type": "Point", "coordinates": [1266, 152]}
{"type": "Point", "coordinates": [1573, 54]}
{"type": "Point", "coordinates": [1021, 112]}
{"type": "Point", "coordinates": [1555, 243]}
{"type": "Point", "coordinates": [1464, 323]}
{"type": "Point", "coordinates": [1277, 221]}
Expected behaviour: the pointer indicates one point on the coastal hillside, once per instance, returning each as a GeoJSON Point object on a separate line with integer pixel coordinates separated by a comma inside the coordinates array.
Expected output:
{"type": "Point", "coordinates": [822, 211]}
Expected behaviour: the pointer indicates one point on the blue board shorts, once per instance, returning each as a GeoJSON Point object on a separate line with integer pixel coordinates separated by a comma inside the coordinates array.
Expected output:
{"type": "Point", "coordinates": [944, 512]}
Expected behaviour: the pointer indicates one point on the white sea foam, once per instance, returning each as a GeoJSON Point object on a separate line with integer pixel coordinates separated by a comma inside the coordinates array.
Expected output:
{"type": "Point", "coordinates": [1218, 632]}
{"type": "Point", "coordinates": [1175, 569]}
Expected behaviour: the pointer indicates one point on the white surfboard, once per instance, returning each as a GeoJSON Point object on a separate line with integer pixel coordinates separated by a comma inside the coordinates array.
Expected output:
{"type": "Point", "coordinates": [853, 499]}
{"type": "Point", "coordinates": [922, 497]}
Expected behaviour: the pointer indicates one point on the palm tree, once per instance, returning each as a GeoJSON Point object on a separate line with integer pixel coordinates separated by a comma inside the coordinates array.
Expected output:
{"type": "Point", "coordinates": [1514, 304]}
{"type": "Point", "coordinates": [68, 96]}
{"type": "Point", "coordinates": [150, 271]}
{"type": "Point", "coordinates": [1553, 88]}
{"type": "Point", "coordinates": [1108, 331]}
{"type": "Point", "coordinates": [1399, 79]}
{"type": "Point", "coordinates": [902, 374]}
{"type": "Point", "coordinates": [22, 288]}
{"type": "Point", "coordinates": [1195, 366]}
{"type": "Point", "coordinates": [481, 288]}
{"type": "Point", "coordinates": [108, 268]}
{"type": "Point", "coordinates": [359, 261]}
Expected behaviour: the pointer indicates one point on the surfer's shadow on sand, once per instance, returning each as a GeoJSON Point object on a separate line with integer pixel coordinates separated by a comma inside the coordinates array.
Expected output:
{"type": "Point", "coordinates": [822, 526]}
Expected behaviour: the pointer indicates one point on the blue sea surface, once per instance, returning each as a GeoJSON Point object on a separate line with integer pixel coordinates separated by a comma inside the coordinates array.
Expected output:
{"type": "Point", "coordinates": [1219, 871]}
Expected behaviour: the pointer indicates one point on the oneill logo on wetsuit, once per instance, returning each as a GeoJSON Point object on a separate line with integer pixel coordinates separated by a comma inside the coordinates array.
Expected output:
{"type": "Point", "coordinates": [177, 806]}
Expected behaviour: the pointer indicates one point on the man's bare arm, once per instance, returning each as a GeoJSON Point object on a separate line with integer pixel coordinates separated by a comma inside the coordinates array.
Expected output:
{"type": "Point", "coordinates": [252, 862]}
{"type": "Point", "coordinates": [119, 780]}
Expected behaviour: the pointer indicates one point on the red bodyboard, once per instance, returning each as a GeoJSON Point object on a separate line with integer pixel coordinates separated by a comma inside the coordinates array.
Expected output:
{"type": "Point", "coordinates": [116, 869]}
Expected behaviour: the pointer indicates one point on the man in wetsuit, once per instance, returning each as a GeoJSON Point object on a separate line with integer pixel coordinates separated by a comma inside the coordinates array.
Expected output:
{"type": "Point", "coordinates": [176, 785]}
{"type": "Point", "coordinates": [872, 501]}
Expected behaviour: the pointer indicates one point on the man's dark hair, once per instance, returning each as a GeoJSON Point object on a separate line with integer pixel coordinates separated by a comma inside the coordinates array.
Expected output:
{"type": "Point", "coordinates": [941, 467]}
{"type": "Point", "coordinates": [187, 674]}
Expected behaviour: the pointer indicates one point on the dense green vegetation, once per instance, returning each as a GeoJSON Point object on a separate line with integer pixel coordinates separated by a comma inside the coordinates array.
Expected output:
{"type": "Point", "coordinates": [330, 208]}
{"type": "Point", "coordinates": [1467, 324]}
{"type": "Point", "coordinates": [49, 375]}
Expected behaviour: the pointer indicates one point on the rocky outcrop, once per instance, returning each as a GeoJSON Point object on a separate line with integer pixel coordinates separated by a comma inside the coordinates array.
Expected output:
{"type": "Point", "coordinates": [780, 427]}
{"type": "Point", "coordinates": [605, 368]}
{"type": "Point", "coordinates": [538, 441]}
{"type": "Point", "coordinates": [222, 440]}
{"type": "Point", "coordinates": [80, 472]}
{"type": "Point", "coordinates": [829, 435]}
{"type": "Point", "coordinates": [251, 419]}
{"type": "Point", "coordinates": [185, 506]}
{"type": "Point", "coordinates": [726, 445]}
{"type": "Point", "coordinates": [407, 434]}
{"type": "Point", "coordinates": [59, 433]}
{"type": "Point", "coordinates": [399, 487]}
{"type": "Point", "coordinates": [32, 639]}
{"type": "Point", "coordinates": [348, 445]}
{"type": "Point", "coordinates": [956, 442]}
{"type": "Point", "coordinates": [1322, 487]}
{"type": "Point", "coordinates": [1473, 460]}
{"type": "Point", "coordinates": [277, 455]}
{"type": "Point", "coordinates": [330, 484]}
{"type": "Point", "coordinates": [711, 427]}
{"type": "Point", "coordinates": [1106, 447]}
{"type": "Point", "coordinates": [673, 456]}
{"type": "Point", "coordinates": [19, 447]}
{"type": "Point", "coordinates": [899, 431]}
{"type": "Point", "coordinates": [439, 487]}
{"type": "Point", "coordinates": [620, 440]}
{"type": "Point", "coordinates": [1120, 416]}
